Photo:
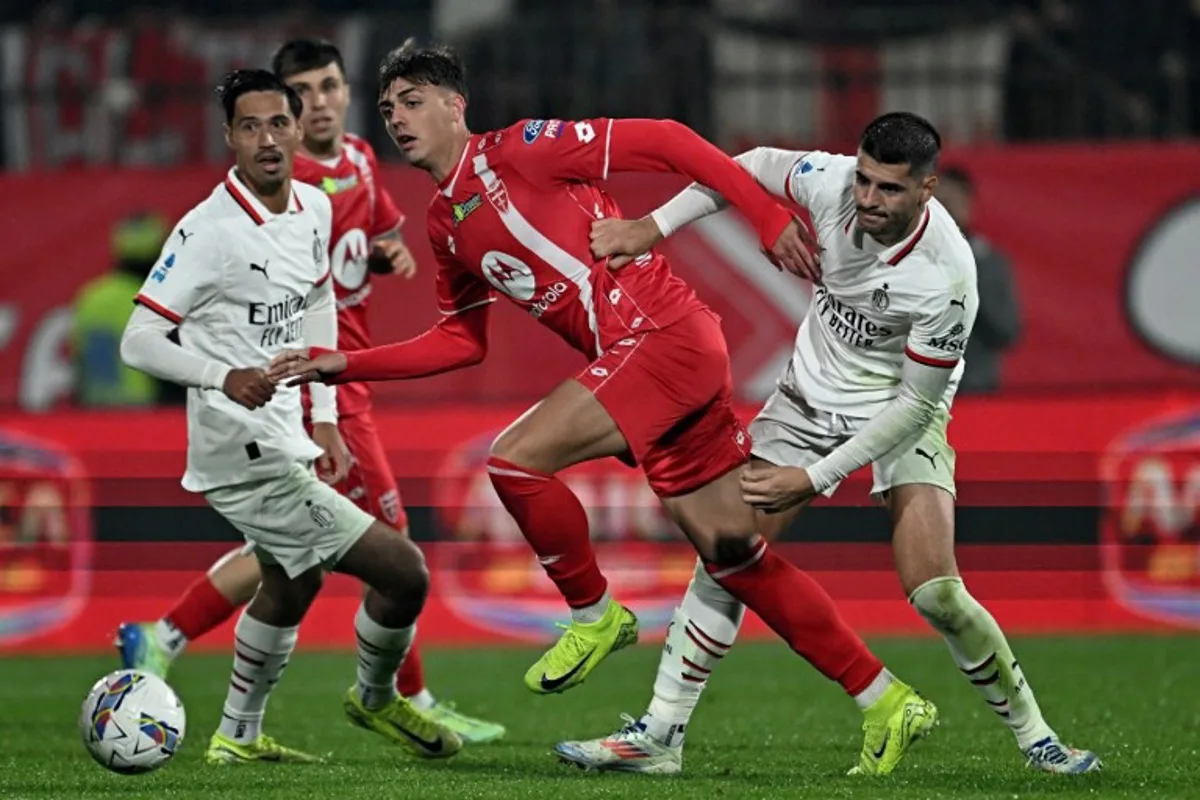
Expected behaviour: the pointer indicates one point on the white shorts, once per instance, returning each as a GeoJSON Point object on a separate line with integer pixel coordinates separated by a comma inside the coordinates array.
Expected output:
{"type": "Point", "coordinates": [294, 520]}
{"type": "Point", "coordinates": [790, 433]}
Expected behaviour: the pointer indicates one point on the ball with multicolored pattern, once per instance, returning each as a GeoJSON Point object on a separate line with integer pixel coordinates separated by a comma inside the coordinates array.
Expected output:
{"type": "Point", "coordinates": [132, 722]}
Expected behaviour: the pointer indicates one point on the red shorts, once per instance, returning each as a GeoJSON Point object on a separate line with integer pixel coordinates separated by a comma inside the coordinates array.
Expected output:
{"type": "Point", "coordinates": [670, 392]}
{"type": "Point", "coordinates": [370, 484]}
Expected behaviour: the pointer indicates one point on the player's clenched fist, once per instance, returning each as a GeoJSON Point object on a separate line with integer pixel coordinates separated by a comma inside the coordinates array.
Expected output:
{"type": "Point", "coordinates": [623, 240]}
{"type": "Point", "coordinates": [798, 252]}
{"type": "Point", "coordinates": [391, 256]}
{"type": "Point", "coordinates": [300, 366]}
{"type": "Point", "coordinates": [248, 387]}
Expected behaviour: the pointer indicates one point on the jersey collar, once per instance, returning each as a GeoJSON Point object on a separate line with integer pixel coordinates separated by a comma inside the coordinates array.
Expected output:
{"type": "Point", "coordinates": [894, 254]}
{"type": "Point", "coordinates": [251, 204]}
{"type": "Point", "coordinates": [447, 184]}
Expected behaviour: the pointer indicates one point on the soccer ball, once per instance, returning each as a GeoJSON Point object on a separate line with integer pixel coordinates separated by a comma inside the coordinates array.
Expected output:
{"type": "Point", "coordinates": [132, 722]}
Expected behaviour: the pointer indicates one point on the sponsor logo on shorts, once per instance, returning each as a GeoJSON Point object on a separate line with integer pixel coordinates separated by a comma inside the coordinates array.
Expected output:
{"type": "Point", "coordinates": [389, 506]}
{"type": "Point", "coordinates": [321, 515]}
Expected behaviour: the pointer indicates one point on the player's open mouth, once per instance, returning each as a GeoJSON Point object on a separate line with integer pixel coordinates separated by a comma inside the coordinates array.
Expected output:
{"type": "Point", "coordinates": [270, 162]}
{"type": "Point", "coordinates": [405, 141]}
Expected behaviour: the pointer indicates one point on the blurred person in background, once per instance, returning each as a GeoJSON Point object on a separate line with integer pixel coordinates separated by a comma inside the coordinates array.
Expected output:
{"type": "Point", "coordinates": [100, 311]}
{"type": "Point", "coordinates": [998, 325]}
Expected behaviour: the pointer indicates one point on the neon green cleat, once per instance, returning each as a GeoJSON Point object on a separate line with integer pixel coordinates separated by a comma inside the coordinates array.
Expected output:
{"type": "Point", "coordinates": [580, 649]}
{"type": "Point", "coordinates": [223, 751]}
{"type": "Point", "coordinates": [139, 649]}
{"type": "Point", "coordinates": [401, 722]}
{"type": "Point", "coordinates": [470, 729]}
{"type": "Point", "coordinates": [891, 726]}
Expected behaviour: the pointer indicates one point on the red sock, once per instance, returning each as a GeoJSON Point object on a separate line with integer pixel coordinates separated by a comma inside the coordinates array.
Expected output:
{"type": "Point", "coordinates": [410, 678]}
{"type": "Point", "coordinates": [554, 523]}
{"type": "Point", "coordinates": [200, 609]}
{"type": "Point", "coordinates": [798, 609]}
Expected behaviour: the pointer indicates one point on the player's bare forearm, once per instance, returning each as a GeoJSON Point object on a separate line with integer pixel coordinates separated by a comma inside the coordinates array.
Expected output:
{"type": "Point", "coordinates": [649, 145]}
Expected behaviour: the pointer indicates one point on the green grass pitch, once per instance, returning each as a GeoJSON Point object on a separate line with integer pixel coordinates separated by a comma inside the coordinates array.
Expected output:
{"type": "Point", "coordinates": [767, 727]}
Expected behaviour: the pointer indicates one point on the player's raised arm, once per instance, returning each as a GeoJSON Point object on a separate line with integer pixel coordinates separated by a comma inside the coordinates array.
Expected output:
{"type": "Point", "coordinates": [187, 274]}
{"type": "Point", "coordinates": [935, 346]}
{"type": "Point", "coordinates": [591, 149]}
{"type": "Point", "coordinates": [458, 340]}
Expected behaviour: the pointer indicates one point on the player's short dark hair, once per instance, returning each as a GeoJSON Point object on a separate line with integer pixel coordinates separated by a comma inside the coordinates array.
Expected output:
{"type": "Point", "coordinates": [901, 137]}
{"type": "Point", "coordinates": [960, 176]}
{"type": "Point", "coordinates": [437, 65]}
{"type": "Point", "coordinates": [301, 55]}
{"type": "Point", "coordinates": [243, 81]}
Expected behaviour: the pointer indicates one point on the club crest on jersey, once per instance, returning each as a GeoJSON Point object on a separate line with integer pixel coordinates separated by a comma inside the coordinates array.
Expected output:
{"type": "Point", "coordinates": [318, 249]}
{"type": "Point", "coordinates": [463, 210]}
{"type": "Point", "coordinates": [533, 129]}
{"type": "Point", "coordinates": [497, 194]}
{"type": "Point", "coordinates": [509, 274]}
{"type": "Point", "coordinates": [879, 298]}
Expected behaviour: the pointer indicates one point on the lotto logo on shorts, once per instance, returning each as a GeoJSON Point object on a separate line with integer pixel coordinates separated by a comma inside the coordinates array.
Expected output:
{"type": "Point", "coordinates": [599, 372]}
{"type": "Point", "coordinates": [321, 515]}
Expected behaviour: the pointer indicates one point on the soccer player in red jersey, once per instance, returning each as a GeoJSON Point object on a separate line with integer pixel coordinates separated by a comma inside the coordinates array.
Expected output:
{"type": "Point", "coordinates": [512, 214]}
{"type": "Point", "coordinates": [365, 238]}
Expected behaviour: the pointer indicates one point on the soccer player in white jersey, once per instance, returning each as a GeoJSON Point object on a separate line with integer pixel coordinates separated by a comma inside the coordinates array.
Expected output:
{"type": "Point", "coordinates": [244, 276]}
{"type": "Point", "coordinates": [876, 365]}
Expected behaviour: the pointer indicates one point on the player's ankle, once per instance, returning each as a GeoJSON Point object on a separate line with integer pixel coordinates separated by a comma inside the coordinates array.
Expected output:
{"type": "Point", "coordinates": [667, 732]}
{"type": "Point", "coordinates": [875, 690]}
{"type": "Point", "coordinates": [374, 698]}
{"type": "Point", "coordinates": [422, 700]}
{"type": "Point", "coordinates": [593, 613]}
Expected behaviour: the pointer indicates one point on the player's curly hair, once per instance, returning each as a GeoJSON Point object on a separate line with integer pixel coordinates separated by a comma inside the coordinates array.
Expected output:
{"type": "Point", "coordinates": [436, 65]}
{"type": "Point", "coordinates": [243, 81]}
{"type": "Point", "coordinates": [901, 137]}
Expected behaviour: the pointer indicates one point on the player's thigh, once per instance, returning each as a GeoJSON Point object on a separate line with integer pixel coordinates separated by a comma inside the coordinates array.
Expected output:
{"type": "Point", "coordinates": [293, 520]}
{"type": "Point", "coordinates": [371, 483]}
{"type": "Point", "coordinates": [282, 599]}
{"type": "Point", "coordinates": [772, 524]}
{"type": "Point", "coordinates": [387, 561]}
{"type": "Point", "coordinates": [567, 427]}
{"type": "Point", "coordinates": [916, 483]}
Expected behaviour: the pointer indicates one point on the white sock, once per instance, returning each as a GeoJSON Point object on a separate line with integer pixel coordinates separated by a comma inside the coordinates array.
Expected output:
{"type": "Point", "coordinates": [703, 629]}
{"type": "Point", "coordinates": [260, 654]}
{"type": "Point", "coordinates": [875, 689]}
{"type": "Point", "coordinates": [169, 638]}
{"type": "Point", "coordinates": [983, 655]}
{"type": "Point", "coordinates": [592, 613]}
{"type": "Point", "coordinates": [423, 700]}
{"type": "Point", "coordinates": [380, 652]}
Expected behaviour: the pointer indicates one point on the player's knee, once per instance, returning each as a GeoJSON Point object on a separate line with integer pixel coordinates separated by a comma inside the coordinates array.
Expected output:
{"type": "Point", "coordinates": [728, 547]}
{"type": "Point", "coordinates": [945, 604]}
{"type": "Point", "coordinates": [407, 582]}
{"type": "Point", "coordinates": [284, 601]}
{"type": "Point", "coordinates": [514, 447]}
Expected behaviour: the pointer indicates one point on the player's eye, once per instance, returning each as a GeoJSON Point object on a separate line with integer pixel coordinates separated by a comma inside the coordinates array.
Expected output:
{"type": "Point", "coordinates": [411, 103]}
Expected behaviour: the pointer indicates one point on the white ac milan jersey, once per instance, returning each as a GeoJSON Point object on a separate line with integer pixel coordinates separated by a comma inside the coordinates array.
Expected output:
{"type": "Point", "coordinates": [876, 305]}
{"type": "Point", "coordinates": [236, 278]}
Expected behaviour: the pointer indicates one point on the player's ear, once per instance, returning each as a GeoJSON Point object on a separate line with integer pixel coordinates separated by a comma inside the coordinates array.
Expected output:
{"type": "Point", "coordinates": [927, 186]}
{"type": "Point", "coordinates": [460, 106]}
{"type": "Point", "coordinates": [228, 135]}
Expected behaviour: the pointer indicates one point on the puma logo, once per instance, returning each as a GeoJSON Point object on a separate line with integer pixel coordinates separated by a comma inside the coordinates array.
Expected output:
{"type": "Point", "coordinates": [263, 269]}
{"type": "Point", "coordinates": [930, 456]}
{"type": "Point", "coordinates": [960, 303]}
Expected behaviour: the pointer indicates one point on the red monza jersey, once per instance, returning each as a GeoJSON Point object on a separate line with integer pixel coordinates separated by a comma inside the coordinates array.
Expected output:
{"type": "Point", "coordinates": [362, 211]}
{"type": "Point", "coordinates": [514, 218]}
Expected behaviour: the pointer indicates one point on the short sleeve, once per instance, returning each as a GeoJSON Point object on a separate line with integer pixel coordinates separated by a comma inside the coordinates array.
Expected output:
{"type": "Point", "coordinates": [941, 326]}
{"type": "Point", "coordinates": [186, 274]}
{"type": "Point", "coordinates": [551, 150]}
{"type": "Point", "coordinates": [387, 216]}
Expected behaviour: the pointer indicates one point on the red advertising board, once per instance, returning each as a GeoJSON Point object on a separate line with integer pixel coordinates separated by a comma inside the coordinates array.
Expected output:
{"type": "Point", "coordinates": [1135, 455]}
{"type": "Point", "coordinates": [1094, 255]}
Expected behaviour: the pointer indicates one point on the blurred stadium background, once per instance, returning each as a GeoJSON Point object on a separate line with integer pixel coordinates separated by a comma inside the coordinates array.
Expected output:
{"type": "Point", "coordinates": [1074, 123]}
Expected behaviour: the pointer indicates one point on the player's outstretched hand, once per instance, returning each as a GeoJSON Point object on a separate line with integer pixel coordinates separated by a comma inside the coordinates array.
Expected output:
{"type": "Point", "coordinates": [623, 240]}
{"type": "Point", "coordinates": [297, 367]}
{"type": "Point", "coordinates": [248, 387]}
{"type": "Point", "coordinates": [772, 489]}
{"type": "Point", "coordinates": [391, 256]}
{"type": "Point", "coordinates": [334, 464]}
{"type": "Point", "coordinates": [798, 252]}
